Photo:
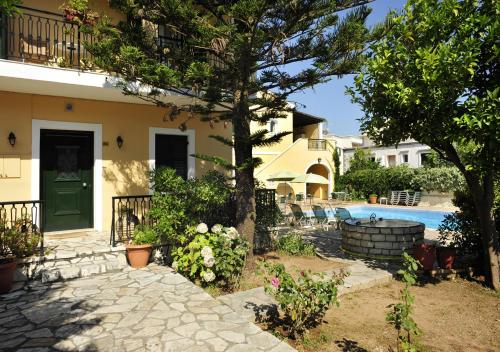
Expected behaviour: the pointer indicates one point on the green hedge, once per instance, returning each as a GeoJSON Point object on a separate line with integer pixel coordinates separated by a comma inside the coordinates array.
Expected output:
{"type": "Point", "coordinates": [362, 183]}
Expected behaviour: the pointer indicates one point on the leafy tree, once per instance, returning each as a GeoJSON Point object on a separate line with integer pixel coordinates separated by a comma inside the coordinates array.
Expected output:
{"type": "Point", "coordinates": [362, 160]}
{"type": "Point", "coordinates": [336, 164]}
{"type": "Point", "coordinates": [434, 78]}
{"type": "Point", "coordinates": [9, 7]}
{"type": "Point", "coordinates": [232, 58]}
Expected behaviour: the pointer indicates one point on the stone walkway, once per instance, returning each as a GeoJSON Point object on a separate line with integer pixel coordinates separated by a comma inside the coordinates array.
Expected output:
{"type": "Point", "coordinates": [152, 309]}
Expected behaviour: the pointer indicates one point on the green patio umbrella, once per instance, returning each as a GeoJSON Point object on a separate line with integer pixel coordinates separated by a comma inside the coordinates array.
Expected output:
{"type": "Point", "coordinates": [311, 178]}
{"type": "Point", "coordinates": [283, 176]}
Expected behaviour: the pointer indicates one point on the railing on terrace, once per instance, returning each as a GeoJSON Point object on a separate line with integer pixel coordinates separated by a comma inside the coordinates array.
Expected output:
{"type": "Point", "coordinates": [316, 144]}
{"type": "Point", "coordinates": [45, 37]}
{"type": "Point", "coordinates": [24, 217]}
{"type": "Point", "coordinates": [128, 212]}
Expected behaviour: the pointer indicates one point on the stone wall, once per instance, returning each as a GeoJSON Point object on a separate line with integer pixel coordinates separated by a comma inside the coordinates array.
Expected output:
{"type": "Point", "coordinates": [437, 199]}
{"type": "Point", "coordinates": [380, 241]}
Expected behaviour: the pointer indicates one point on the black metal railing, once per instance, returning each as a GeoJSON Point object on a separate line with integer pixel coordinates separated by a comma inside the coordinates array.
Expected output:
{"type": "Point", "coordinates": [316, 144]}
{"type": "Point", "coordinates": [47, 38]}
{"type": "Point", "coordinates": [128, 212]}
{"type": "Point", "coordinates": [25, 218]}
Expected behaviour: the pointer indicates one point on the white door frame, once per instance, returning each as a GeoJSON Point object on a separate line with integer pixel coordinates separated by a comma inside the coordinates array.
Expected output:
{"type": "Point", "coordinates": [36, 127]}
{"type": "Point", "coordinates": [191, 135]}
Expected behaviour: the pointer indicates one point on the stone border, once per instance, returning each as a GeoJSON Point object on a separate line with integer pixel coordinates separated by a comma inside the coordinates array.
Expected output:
{"type": "Point", "coordinates": [380, 242]}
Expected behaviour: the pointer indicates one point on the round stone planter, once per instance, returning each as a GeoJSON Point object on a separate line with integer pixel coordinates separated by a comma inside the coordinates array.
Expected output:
{"type": "Point", "coordinates": [381, 239]}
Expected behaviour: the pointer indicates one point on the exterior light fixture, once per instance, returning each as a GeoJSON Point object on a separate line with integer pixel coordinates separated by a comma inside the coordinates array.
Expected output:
{"type": "Point", "coordinates": [319, 160]}
{"type": "Point", "coordinates": [119, 141]}
{"type": "Point", "coordinates": [12, 139]}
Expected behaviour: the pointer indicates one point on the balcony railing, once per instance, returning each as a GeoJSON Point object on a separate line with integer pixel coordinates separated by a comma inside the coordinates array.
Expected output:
{"type": "Point", "coordinates": [316, 144]}
{"type": "Point", "coordinates": [45, 37]}
{"type": "Point", "coordinates": [128, 212]}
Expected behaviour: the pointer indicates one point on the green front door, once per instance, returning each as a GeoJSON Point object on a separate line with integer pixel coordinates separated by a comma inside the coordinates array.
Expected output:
{"type": "Point", "coordinates": [66, 166]}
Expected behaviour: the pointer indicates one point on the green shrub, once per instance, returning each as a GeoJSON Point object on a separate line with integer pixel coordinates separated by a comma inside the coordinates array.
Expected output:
{"type": "Point", "coordinates": [212, 258]}
{"type": "Point", "coordinates": [145, 235]}
{"type": "Point", "coordinates": [361, 183]}
{"type": "Point", "coordinates": [20, 240]}
{"type": "Point", "coordinates": [400, 315]}
{"type": "Point", "coordinates": [178, 203]}
{"type": "Point", "coordinates": [294, 244]}
{"type": "Point", "coordinates": [303, 301]}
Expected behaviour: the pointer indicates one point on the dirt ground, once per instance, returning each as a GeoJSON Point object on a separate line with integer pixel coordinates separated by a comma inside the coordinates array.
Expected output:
{"type": "Point", "coordinates": [293, 264]}
{"type": "Point", "coordinates": [453, 316]}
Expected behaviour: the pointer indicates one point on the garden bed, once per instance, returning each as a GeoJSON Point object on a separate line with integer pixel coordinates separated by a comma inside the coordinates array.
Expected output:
{"type": "Point", "coordinates": [251, 278]}
{"type": "Point", "coordinates": [453, 315]}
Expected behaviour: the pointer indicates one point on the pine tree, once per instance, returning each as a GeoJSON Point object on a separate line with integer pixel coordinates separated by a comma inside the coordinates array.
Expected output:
{"type": "Point", "coordinates": [234, 58]}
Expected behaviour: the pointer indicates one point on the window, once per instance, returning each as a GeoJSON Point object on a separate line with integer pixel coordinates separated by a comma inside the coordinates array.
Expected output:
{"type": "Point", "coordinates": [172, 151]}
{"type": "Point", "coordinates": [391, 160]}
{"type": "Point", "coordinates": [404, 158]}
{"type": "Point", "coordinates": [273, 127]}
{"type": "Point", "coordinates": [424, 158]}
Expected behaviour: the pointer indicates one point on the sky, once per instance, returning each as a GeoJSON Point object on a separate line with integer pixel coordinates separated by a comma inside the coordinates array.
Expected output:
{"type": "Point", "coordinates": [328, 100]}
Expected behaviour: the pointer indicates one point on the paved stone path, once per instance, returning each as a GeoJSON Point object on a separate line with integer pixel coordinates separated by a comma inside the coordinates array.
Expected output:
{"type": "Point", "coordinates": [152, 309]}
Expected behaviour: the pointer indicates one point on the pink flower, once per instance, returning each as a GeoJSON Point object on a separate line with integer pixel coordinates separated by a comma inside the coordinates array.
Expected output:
{"type": "Point", "coordinates": [275, 282]}
{"type": "Point", "coordinates": [302, 273]}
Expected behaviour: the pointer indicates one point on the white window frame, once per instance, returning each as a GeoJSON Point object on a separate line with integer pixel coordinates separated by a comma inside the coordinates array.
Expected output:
{"type": "Point", "coordinates": [190, 133]}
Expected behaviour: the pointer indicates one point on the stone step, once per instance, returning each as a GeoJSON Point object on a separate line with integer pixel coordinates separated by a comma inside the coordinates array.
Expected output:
{"type": "Point", "coordinates": [67, 267]}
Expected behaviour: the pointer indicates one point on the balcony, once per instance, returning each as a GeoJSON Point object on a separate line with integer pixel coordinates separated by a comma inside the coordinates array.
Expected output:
{"type": "Point", "coordinates": [44, 37]}
{"type": "Point", "coordinates": [316, 144]}
{"type": "Point", "coordinates": [47, 38]}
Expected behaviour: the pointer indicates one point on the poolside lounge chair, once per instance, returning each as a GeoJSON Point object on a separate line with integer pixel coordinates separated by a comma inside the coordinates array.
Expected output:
{"type": "Point", "coordinates": [322, 218]}
{"type": "Point", "coordinates": [298, 216]}
{"type": "Point", "coordinates": [413, 199]}
{"type": "Point", "coordinates": [394, 198]}
{"type": "Point", "coordinates": [342, 214]}
{"type": "Point", "coordinates": [403, 197]}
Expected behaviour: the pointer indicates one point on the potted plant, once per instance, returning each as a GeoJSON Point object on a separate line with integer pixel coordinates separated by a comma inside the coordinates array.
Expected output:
{"type": "Point", "coordinates": [18, 241]}
{"type": "Point", "coordinates": [140, 246]}
{"type": "Point", "coordinates": [446, 257]}
{"type": "Point", "coordinates": [373, 198]}
{"type": "Point", "coordinates": [78, 11]}
{"type": "Point", "coordinates": [426, 254]}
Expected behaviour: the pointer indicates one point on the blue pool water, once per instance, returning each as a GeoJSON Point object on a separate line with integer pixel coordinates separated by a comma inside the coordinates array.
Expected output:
{"type": "Point", "coordinates": [430, 218]}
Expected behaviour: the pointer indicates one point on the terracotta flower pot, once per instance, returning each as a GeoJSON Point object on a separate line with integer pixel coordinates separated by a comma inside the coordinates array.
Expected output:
{"type": "Point", "coordinates": [138, 255]}
{"type": "Point", "coordinates": [425, 254]}
{"type": "Point", "coordinates": [7, 276]}
{"type": "Point", "coordinates": [373, 199]}
{"type": "Point", "coordinates": [446, 257]}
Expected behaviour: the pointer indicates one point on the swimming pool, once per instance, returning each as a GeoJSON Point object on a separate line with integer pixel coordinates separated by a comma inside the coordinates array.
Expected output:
{"type": "Point", "coordinates": [430, 218]}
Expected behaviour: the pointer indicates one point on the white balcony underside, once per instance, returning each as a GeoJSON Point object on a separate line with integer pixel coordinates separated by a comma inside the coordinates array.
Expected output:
{"type": "Point", "coordinates": [38, 79]}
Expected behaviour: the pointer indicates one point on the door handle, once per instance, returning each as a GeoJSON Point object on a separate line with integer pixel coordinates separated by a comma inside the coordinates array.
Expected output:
{"type": "Point", "coordinates": [84, 185]}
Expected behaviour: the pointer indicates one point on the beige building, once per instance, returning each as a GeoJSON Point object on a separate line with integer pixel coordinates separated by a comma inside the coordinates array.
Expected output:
{"type": "Point", "coordinates": [69, 137]}
{"type": "Point", "coordinates": [303, 151]}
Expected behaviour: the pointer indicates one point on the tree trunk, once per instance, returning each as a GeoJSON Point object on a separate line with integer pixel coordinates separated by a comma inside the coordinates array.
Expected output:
{"type": "Point", "coordinates": [245, 187]}
{"type": "Point", "coordinates": [483, 203]}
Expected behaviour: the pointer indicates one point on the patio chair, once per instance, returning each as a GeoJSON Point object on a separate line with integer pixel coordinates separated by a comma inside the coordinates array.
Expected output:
{"type": "Point", "coordinates": [403, 197]}
{"type": "Point", "coordinates": [322, 218]}
{"type": "Point", "coordinates": [414, 199]}
{"type": "Point", "coordinates": [394, 198]}
{"type": "Point", "coordinates": [298, 216]}
{"type": "Point", "coordinates": [342, 214]}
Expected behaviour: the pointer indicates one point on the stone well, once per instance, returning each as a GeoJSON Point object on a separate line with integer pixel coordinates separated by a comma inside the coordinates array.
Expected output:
{"type": "Point", "coordinates": [382, 238]}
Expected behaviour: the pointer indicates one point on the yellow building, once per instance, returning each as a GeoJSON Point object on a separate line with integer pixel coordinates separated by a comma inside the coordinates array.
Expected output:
{"type": "Point", "coordinates": [303, 151]}
{"type": "Point", "coordinates": [69, 137]}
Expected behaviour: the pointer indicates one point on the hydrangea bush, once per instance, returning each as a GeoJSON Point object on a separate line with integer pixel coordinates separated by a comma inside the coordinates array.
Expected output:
{"type": "Point", "coordinates": [214, 257]}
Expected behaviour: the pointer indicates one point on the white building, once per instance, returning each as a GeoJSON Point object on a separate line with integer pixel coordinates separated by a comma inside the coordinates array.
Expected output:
{"type": "Point", "coordinates": [408, 152]}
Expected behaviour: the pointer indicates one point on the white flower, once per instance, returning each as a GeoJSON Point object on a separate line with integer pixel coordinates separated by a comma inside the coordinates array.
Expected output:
{"type": "Point", "coordinates": [209, 276]}
{"type": "Point", "coordinates": [206, 252]}
{"type": "Point", "coordinates": [217, 228]}
{"type": "Point", "coordinates": [175, 266]}
{"type": "Point", "coordinates": [231, 233]}
{"type": "Point", "coordinates": [202, 228]}
{"type": "Point", "coordinates": [209, 261]}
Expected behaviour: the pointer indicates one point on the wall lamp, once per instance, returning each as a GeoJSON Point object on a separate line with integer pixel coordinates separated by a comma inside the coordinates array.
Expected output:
{"type": "Point", "coordinates": [119, 142]}
{"type": "Point", "coordinates": [319, 160]}
{"type": "Point", "coordinates": [12, 139]}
